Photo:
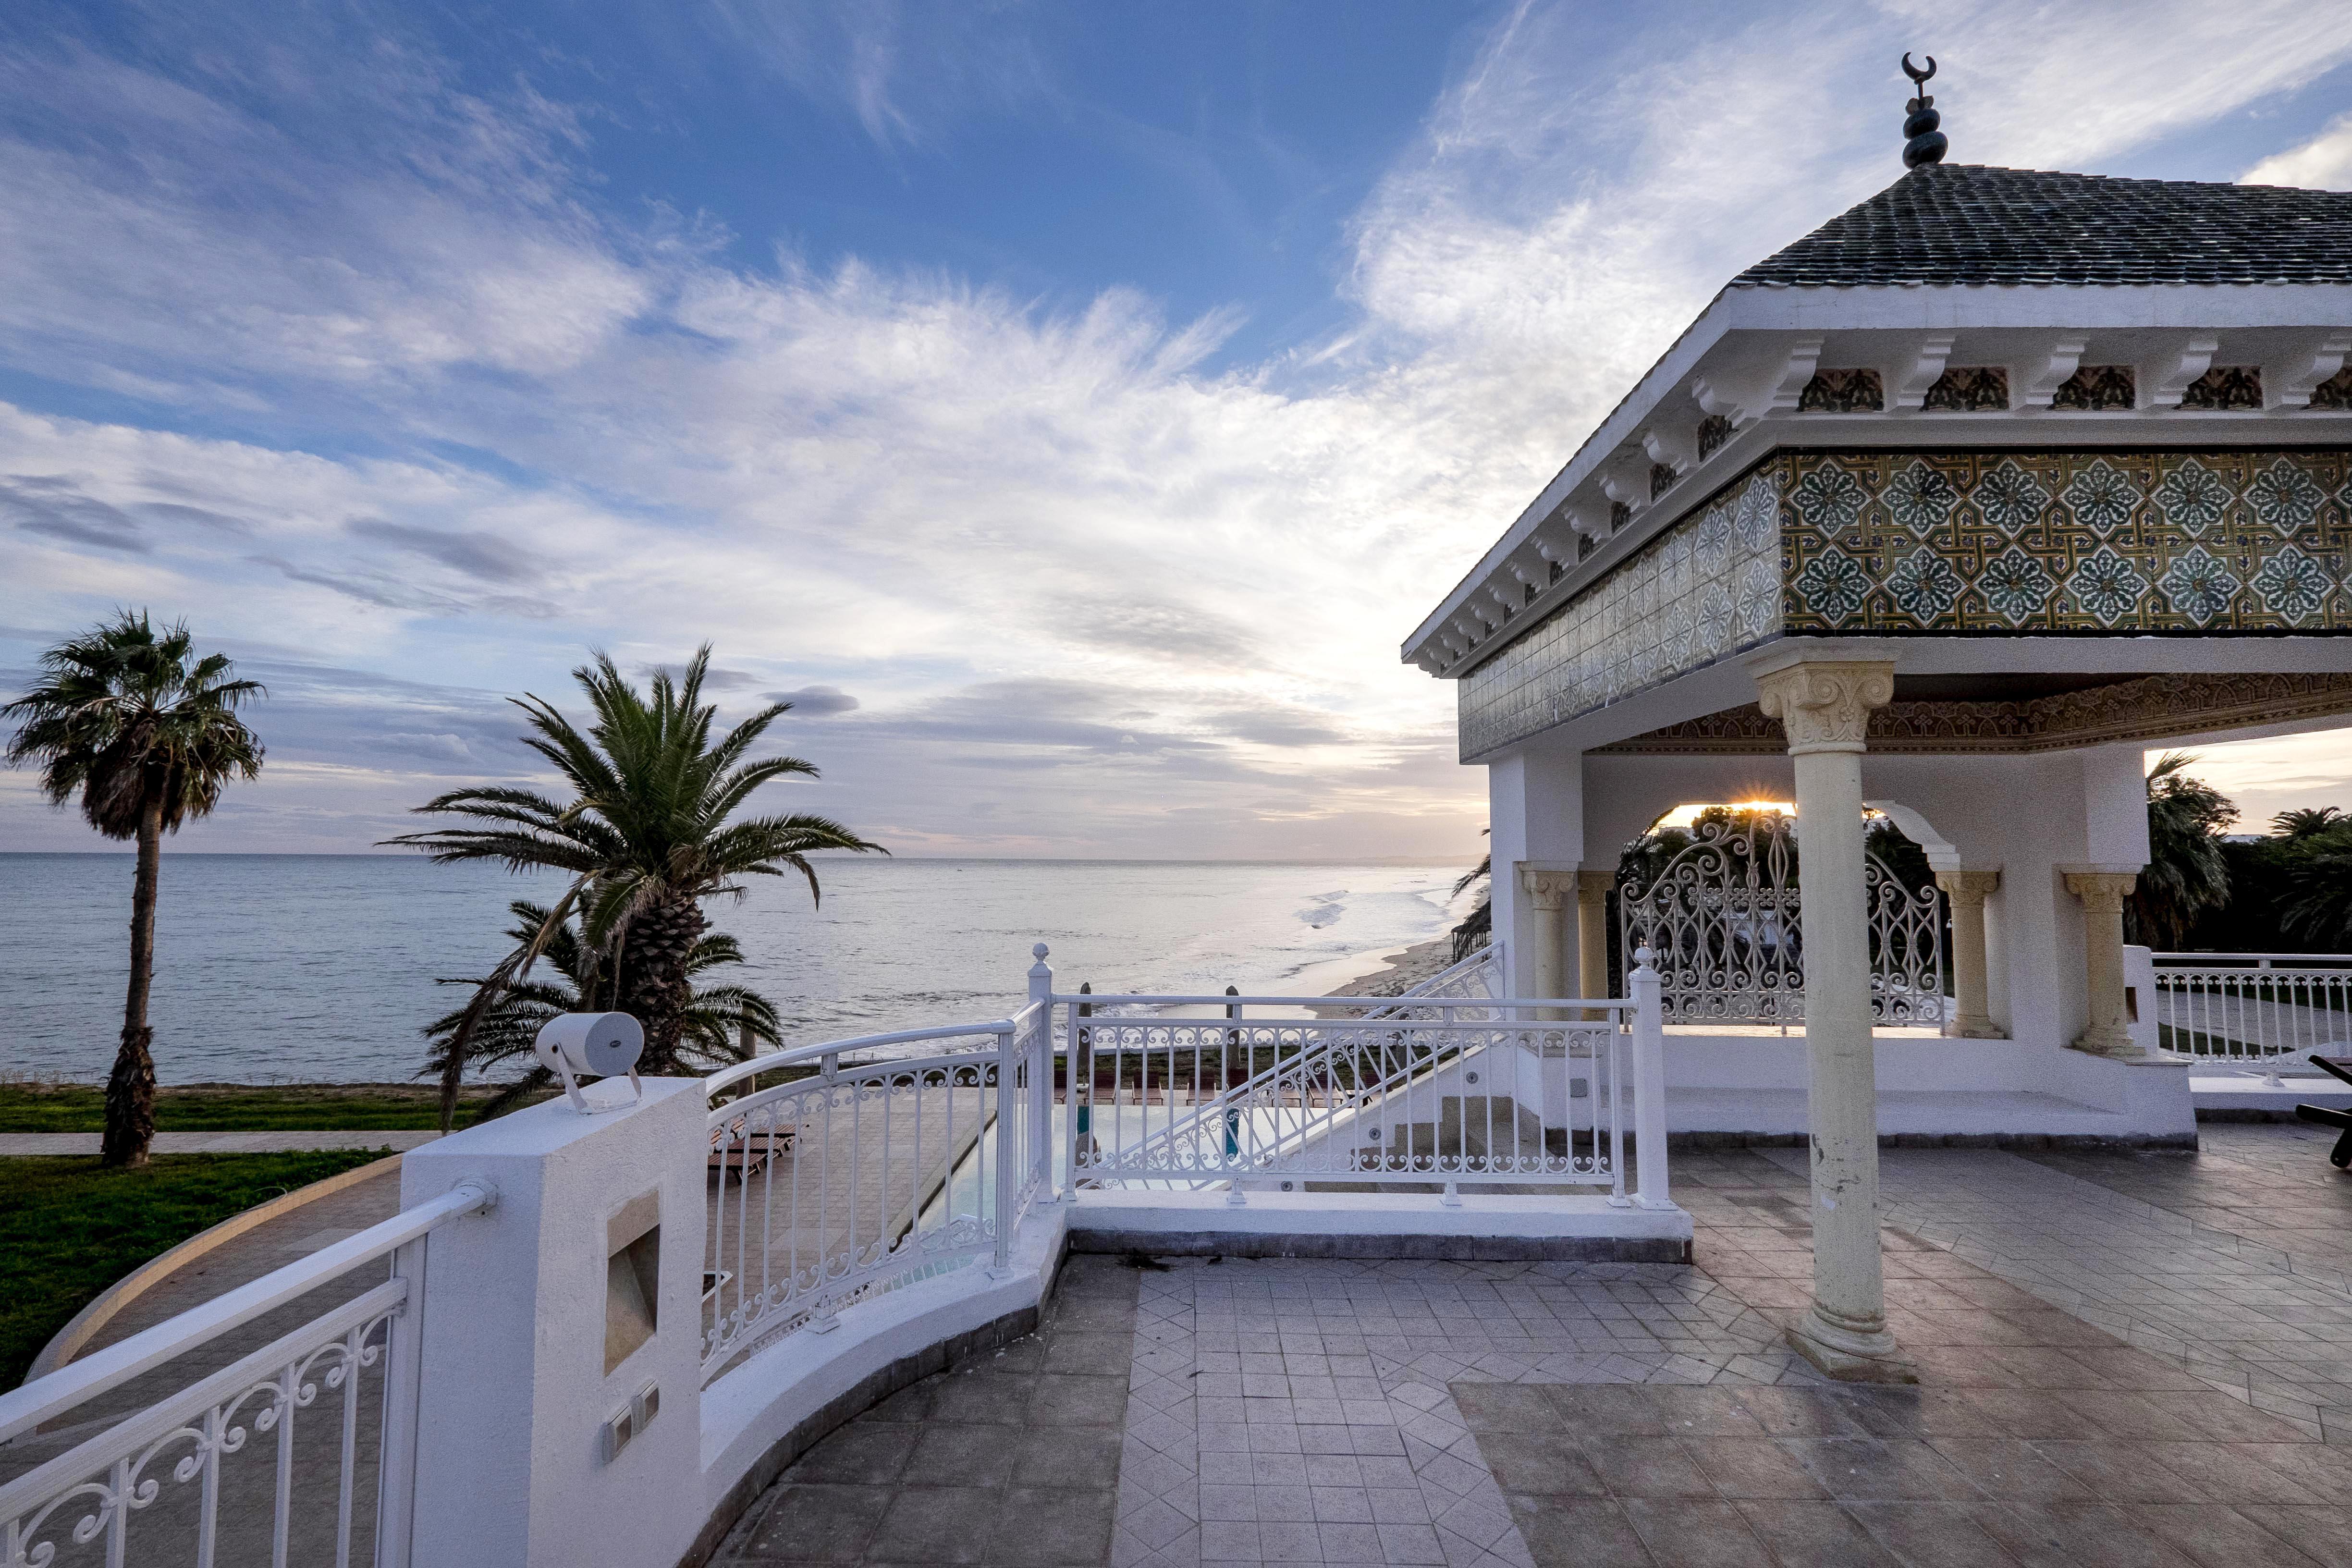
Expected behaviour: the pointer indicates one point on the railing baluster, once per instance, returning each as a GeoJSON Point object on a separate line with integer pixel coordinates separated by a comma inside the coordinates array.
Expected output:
{"type": "Point", "coordinates": [351, 1445]}
{"type": "Point", "coordinates": [281, 1525]}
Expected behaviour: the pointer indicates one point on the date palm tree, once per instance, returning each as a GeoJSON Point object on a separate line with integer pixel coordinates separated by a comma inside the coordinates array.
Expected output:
{"type": "Point", "coordinates": [722, 1023]}
{"type": "Point", "coordinates": [2187, 872]}
{"type": "Point", "coordinates": [147, 734]}
{"type": "Point", "coordinates": [648, 832]}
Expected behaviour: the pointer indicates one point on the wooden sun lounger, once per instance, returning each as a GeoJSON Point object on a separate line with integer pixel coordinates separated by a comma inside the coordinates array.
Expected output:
{"type": "Point", "coordinates": [732, 1155]}
{"type": "Point", "coordinates": [2327, 1116]}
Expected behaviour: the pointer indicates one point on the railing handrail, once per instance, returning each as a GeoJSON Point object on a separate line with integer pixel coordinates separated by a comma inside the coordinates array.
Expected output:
{"type": "Point", "coordinates": [47, 1397]}
{"type": "Point", "coordinates": [1256, 1082]}
{"type": "Point", "coordinates": [2195, 958]}
{"type": "Point", "coordinates": [797, 1056]}
{"type": "Point", "coordinates": [1100, 998]}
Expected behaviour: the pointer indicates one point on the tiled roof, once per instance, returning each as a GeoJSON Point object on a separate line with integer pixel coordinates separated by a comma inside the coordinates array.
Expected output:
{"type": "Point", "coordinates": [1958, 223]}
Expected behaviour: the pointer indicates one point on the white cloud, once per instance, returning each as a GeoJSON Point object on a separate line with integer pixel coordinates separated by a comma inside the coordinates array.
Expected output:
{"type": "Point", "coordinates": [1141, 607]}
{"type": "Point", "coordinates": [2322, 164]}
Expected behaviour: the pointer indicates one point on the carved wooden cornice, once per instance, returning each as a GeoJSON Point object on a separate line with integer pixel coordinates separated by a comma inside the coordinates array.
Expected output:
{"type": "Point", "coordinates": [2151, 707]}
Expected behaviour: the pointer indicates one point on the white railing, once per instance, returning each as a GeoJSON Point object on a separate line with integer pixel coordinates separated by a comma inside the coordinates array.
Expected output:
{"type": "Point", "coordinates": [1498, 1092]}
{"type": "Point", "coordinates": [1472, 980]}
{"type": "Point", "coordinates": [2249, 1006]}
{"type": "Point", "coordinates": [217, 1508]}
{"type": "Point", "coordinates": [860, 1170]}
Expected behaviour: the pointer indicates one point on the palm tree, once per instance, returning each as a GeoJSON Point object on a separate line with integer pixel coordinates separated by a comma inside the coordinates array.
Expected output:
{"type": "Point", "coordinates": [646, 836]}
{"type": "Point", "coordinates": [1477, 927]}
{"type": "Point", "coordinates": [2187, 872]}
{"type": "Point", "coordinates": [2319, 878]}
{"type": "Point", "coordinates": [722, 1023]}
{"type": "Point", "coordinates": [2306, 821]}
{"type": "Point", "coordinates": [147, 734]}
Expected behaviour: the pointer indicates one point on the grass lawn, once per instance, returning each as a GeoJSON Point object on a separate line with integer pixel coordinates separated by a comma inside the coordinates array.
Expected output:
{"type": "Point", "coordinates": [241, 1107]}
{"type": "Point", "coordinates": [68, 1229]}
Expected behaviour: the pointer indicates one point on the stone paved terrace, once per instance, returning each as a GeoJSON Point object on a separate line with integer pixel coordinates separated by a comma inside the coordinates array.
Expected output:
{"type": "Point", "coordinates": [2123, 1359]}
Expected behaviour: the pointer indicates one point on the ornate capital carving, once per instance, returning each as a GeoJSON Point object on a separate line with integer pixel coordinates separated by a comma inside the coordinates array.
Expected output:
{"type": "Point", "coordinates": [1548, 890]}
{"type": "Point", "coordinates": [1825, 706]}
{"type": "Point", "coordinates": [1966, 889]}
{"type": "Point", "coordinates": [1593, 887]}
{"type": "Point", "coordinates": [2103, 892]}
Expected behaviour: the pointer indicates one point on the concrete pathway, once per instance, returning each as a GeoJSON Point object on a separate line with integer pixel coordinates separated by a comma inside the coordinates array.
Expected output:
{"type": "Point", "coordinates": [21, 1144]}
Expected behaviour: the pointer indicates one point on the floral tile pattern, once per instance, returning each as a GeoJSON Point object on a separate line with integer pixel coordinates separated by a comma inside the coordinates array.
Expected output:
{"type": "Point", "coordinates": [2068, 541]}
{"type": "Point", "coordinates": [2114, 542]}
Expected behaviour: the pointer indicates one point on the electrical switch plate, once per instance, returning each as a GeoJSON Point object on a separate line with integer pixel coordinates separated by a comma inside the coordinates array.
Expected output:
{"type": "Point", "coordinates": [619, 1428]}
{"type": "Point", "coordinates": [647, 1405]}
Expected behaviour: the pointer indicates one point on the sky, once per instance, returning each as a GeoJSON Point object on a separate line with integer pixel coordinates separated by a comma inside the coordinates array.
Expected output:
{"type": "Point", "coordinates": [1069, 407]}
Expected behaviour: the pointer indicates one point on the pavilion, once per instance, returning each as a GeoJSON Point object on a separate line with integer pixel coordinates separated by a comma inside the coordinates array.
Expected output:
{"type": "Point", "coordinates": [1954, 508]}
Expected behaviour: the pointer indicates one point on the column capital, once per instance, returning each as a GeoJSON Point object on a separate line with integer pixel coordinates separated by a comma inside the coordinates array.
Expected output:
{"type": "Point", "coordinates": [1547, 888]}
{"type": "Point", "coordinates": [1824, 705]}
{"type": "Point", "coordinates": [2101, 889]}
{"type": "Point", "coordinates": [1969, 887]}
{"type": "Point", "coordinates": [1593, 887]}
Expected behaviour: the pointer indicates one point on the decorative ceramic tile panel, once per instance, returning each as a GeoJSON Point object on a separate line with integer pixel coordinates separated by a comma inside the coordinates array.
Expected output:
{"type": "Point", "coordinates": [1708, 587]}
{"type": "Point", "coordinates": [2116, 542]}
{"type": "Point", "coordinates": [2122, 541]}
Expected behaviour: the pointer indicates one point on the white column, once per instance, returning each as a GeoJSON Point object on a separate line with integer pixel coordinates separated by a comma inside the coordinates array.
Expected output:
{"type": "Point", "coordinates": [1971, 1010]}
{"type": "Point", "coordinates": [1593, 934]}
{"type": "Point", "coordinates": [535, 1334]}
{"type": "Point", "coordinates": [1824, 706]}
{"type": "Point", "coordinates": [1535, 803]}
{"type": "Point", "coordinates": [1547, 892]}
{"type": "Point", "coordinates": [2103, 889]}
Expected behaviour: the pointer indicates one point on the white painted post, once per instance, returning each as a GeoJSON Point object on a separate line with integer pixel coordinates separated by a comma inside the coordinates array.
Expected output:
{"type": "Point", "coordinates": [1041, 1073]}
{"type": "Point", "coordinates": [403, 1358]}
{"type": "Point", "coordinates": [1649, 1082]}
{"type": "Point", "coordinates": [524, 1311]}
{"type": "Point", "coordinates": [1008, 1148]}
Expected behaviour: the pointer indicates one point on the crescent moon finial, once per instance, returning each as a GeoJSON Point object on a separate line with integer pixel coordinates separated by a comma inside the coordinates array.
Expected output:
{"type": "Point", "coordinates": [1914, 72]}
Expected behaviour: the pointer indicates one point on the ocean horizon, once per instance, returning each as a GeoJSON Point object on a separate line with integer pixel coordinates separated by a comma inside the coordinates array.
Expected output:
{"type": "Point", "coordinates": [322, 967]}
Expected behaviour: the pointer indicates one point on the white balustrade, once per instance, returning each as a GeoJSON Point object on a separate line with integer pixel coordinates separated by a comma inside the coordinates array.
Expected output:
{"type": "Point", "coordinates": [1412, 1092]}
{"type": "Point", "coordinates": [2250, 1007]}
{"type": "Point", "coordinates": [159, 1482]}
{"type": "Point", "coordinates": [875, 1160]}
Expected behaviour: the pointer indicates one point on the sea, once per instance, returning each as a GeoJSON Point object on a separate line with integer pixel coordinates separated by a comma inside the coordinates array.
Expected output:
{"type": "Point", "coordinates": [324, 968]}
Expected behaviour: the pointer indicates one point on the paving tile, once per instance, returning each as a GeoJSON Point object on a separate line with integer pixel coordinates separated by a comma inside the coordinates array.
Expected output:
{"type": "Point", "coordinates": [2076, 1535]}
{"type": "Point", "coordinates": [1695, 1534]}
{"type": "Point", "coordinates": [936, 1525]}
{"type": "Point", "coordinates": [1882, 1470]}
{"type": "Point", "coordinates": [2212, 1535]}
{"type": "Point", "coordinates": [1934, 1534]}
{"type": "Point", "coordinates": [1816, 1534]}
{"type": "Point", "coordinates": [816, 1523]}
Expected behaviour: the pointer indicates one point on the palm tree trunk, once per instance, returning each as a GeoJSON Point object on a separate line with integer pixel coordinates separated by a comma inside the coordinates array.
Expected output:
{"type": "Point", "coordinates": [130, 1088]}
{"type": "Point", "coordinates": [659, 937]}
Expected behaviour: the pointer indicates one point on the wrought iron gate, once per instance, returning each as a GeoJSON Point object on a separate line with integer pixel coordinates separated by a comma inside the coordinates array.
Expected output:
{"type": "Point", "coordinates": [1723, 918]}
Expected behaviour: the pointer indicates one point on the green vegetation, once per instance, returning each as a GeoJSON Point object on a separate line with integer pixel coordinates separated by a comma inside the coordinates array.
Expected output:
{"type": "Point", "coordinates": [147, 734]}
{"type": "Point", "coordinates": [70, 1227]}
{"type": "Point", "coordinates": [650, 833]}
{"type": "Point", "coordinates": [2188, 875]}
{"type": "Point", "coordinates": [723, 1022]}
{"type": "Point", "coordinates": [32, 1107]}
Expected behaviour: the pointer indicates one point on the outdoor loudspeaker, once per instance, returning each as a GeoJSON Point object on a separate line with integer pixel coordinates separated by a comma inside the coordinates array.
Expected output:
{"type": "Point", "coordinates": [591, 1044]}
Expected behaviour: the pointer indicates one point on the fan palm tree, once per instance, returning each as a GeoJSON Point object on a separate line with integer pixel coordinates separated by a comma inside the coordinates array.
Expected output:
{"type": "Point", "coordinates": [649, 832]}
{"type": "Point", "coordinates": [2187, 872]}
{"type": "Point", "coordinates": [147, 734]}
{"type": "Point", "coordinates": [2305, 821]}
{"type": "Point", "coordinates": [721, 1023]}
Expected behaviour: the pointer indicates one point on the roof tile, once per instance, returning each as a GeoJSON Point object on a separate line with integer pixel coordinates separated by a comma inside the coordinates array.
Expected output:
{"type": "Point", "coordinates": [1960, 223]}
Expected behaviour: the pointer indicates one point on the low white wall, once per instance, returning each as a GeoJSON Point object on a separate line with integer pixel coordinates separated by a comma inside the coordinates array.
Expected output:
{"type": "Point", "coordinates": [1928, 1087]}
{"type": "Point", "coordinates": [790, 1384]}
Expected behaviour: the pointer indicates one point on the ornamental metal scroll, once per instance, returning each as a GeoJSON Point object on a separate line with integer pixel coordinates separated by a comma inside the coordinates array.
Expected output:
{"type": "Point", "coordinates": [1724, 919]}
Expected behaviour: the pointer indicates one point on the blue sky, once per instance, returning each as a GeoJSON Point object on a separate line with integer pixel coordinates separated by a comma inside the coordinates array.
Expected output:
{"type": "Point", "coordinates": [1074, 403]}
